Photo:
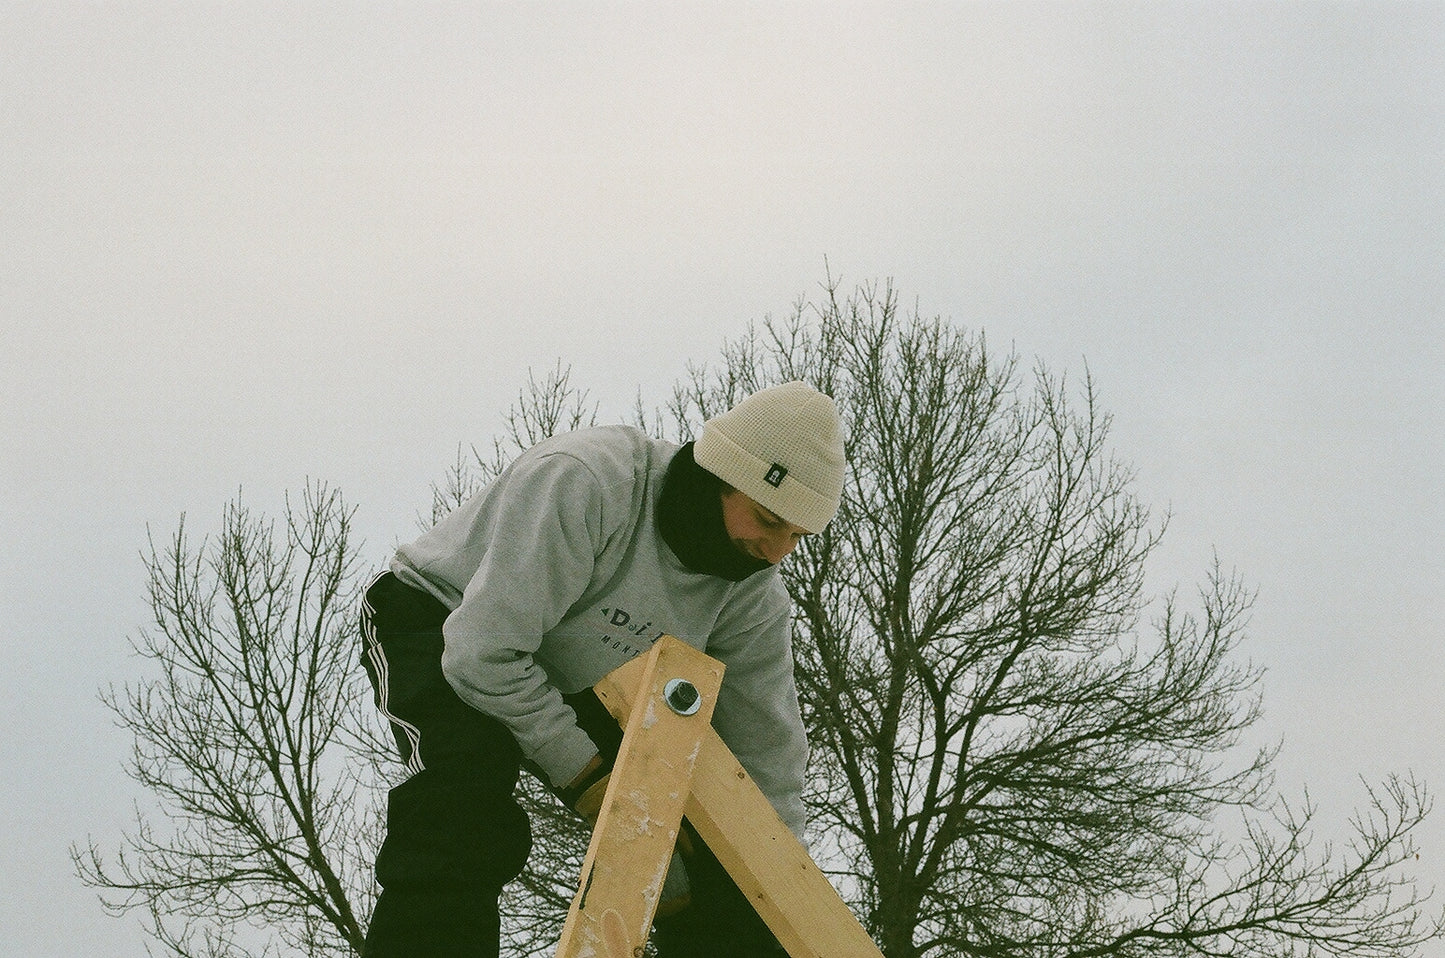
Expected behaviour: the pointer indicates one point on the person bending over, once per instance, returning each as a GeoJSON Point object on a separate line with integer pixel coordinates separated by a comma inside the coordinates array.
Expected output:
{"type": "Point", "coordinates": [483, 638]}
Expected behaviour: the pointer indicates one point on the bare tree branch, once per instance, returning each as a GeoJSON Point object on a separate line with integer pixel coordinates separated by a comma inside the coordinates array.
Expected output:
{"type": "Point", "coordinates": [245, 733]}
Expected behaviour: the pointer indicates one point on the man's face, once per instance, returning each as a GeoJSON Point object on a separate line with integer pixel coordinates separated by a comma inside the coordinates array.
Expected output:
{"type": "Point", "coordinates": [757, 531]}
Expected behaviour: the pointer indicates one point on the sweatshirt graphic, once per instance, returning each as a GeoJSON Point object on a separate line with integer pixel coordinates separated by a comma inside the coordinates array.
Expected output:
{"type": "Point", "coordinates": [556, 574]}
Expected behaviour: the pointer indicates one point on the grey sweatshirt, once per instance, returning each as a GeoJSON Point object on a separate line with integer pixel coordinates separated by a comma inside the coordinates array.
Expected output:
{"type": "Point", "coordinates": [557, 573]}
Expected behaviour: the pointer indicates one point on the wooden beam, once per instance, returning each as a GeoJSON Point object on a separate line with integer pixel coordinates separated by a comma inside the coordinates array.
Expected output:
{"type": "Point", "coordinates": [771, 867]}
{"type": "Point", "coordinates": [632, 844]}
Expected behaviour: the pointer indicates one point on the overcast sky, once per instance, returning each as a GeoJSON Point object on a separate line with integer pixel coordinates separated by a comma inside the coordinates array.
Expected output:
{"type": "Point", "coordinates": [245, 244]}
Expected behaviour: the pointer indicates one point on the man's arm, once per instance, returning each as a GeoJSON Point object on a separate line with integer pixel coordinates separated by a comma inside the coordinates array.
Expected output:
{"type": "Point", "coordinates": [541, 535]}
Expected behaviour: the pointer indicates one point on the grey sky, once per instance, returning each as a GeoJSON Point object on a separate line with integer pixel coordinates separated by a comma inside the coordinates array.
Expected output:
{"type": "Point", "coordinates": [245, 244]}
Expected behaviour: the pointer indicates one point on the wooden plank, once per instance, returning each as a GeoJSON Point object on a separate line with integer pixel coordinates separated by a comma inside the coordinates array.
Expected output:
{"type": "Point", "coordinates": [760, 852]}
{"type": "Point", "coordinates": [631, 846]}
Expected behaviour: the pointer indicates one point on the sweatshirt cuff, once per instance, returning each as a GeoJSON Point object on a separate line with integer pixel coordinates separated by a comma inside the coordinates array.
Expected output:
{"type": "Point", "coordinates": [563, 758]}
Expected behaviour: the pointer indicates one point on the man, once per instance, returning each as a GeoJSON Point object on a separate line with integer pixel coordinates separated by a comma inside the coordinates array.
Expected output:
{"type": "Point", "coordinates": [485, 636]}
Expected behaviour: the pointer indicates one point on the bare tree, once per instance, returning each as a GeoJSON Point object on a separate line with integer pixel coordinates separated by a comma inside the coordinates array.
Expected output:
{"type": "Point", "coordinates": [254, 735]}
{"type": "Point", "coordinates": [543, 408]}
{"type": "Point", "coordinates": [1004, 763]}
{"type": "Point", "coordinates": [1017, 752]}
{"type": "Point", "coordinates": [248, 735]}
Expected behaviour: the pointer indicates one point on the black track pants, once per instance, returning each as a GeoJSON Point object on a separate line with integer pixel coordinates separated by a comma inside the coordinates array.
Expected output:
{"type": "Point", "coordinates": [455, 834]}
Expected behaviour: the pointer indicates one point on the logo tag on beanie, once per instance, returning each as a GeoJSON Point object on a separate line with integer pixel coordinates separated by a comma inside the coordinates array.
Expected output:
{"type": "Point", "coordinates": [775, 476]}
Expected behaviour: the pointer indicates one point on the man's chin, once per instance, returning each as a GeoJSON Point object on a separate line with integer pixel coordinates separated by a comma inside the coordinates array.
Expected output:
{"type": "Point", "coordinates": [747, 550]}
{"type": "Point", "coordinates": [755, 556]}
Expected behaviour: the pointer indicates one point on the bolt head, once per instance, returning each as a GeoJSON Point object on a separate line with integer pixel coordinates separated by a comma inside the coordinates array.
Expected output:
{"type": "Point", "coordinates": [682, 696]}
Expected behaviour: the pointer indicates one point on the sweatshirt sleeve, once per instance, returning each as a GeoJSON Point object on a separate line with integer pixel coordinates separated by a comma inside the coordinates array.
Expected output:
{"type": "Point", "coordinates": [539, 539]}
{"type": "Point", "coordinates": [757, 713]}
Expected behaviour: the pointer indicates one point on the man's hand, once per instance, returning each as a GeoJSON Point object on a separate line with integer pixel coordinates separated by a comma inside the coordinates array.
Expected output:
{"type": "Point", "coordinates": [584, 793]}
{"type": "Point", "coordinates": [587, 772]}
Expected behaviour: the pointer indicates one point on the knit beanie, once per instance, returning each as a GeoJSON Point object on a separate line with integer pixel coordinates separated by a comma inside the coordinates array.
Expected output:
{"type": "Point", "coordinates": [783, 447]}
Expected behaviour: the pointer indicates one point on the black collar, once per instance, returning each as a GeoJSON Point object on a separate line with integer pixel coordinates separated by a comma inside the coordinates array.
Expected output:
{"type": "Point", "coordinates": [689, 515]}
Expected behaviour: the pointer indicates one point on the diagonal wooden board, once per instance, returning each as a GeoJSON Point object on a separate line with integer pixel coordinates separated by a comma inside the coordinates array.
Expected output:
{"type": "Point", "coordinates": [631, 846]}
{"type": "Point", "coordinates": [739, 825]}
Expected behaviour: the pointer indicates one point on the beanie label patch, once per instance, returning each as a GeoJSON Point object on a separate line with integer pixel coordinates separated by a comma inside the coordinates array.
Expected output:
{"type": "Point", "coordinates": [775, 475]}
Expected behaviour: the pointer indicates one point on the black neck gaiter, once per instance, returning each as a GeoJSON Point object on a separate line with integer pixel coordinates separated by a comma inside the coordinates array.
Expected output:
{"type": "Point", "coordinates": [689, 514]}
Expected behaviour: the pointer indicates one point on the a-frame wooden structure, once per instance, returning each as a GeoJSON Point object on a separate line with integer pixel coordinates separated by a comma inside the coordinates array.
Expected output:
{"type": "Point", "coordinates": [672, 762]}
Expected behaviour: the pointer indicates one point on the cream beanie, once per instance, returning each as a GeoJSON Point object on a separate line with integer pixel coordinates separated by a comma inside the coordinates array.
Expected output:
{"type": "Point", "coordinates": [783, 447]}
